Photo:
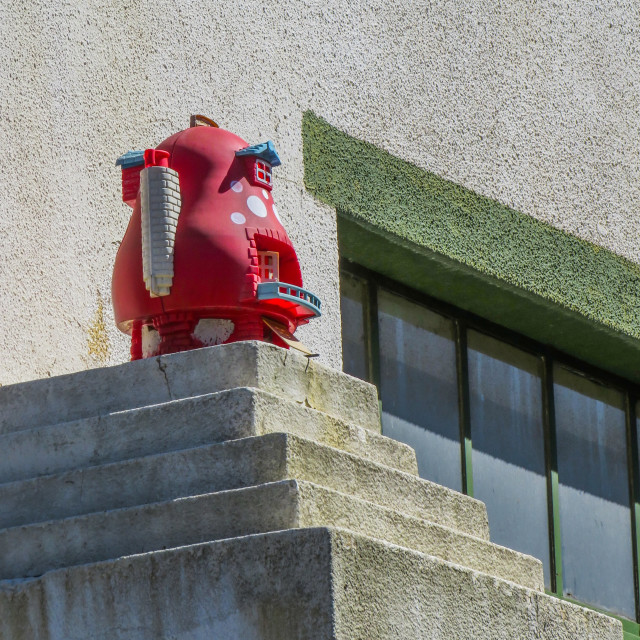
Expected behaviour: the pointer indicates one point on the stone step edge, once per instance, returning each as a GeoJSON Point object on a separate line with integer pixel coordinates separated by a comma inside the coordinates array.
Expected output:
{"type": "Point", "coordinates": [454, 509]}
{"type": "Point", "coordinates": [314, 505]}
{"type": "Point", "coordinates": [50, 439]}
{"type": "Point", "coordinates": [292, 503]}
{"type": "Point", "coordinates": [270, 449]}
{"type": "Point", "coordinates": [303, 459]}
{"type": "Point", "coordinates": [141, 574]}
{"type": "Point", "coordinates": [398, 528]}
{"type": "Point", "coordinates": [186, 374]}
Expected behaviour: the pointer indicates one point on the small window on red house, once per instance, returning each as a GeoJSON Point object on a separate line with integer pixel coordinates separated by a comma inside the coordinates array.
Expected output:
{"type": "Point", "coordinates": [263, 172]}
{"type": "Point", "coordinates": [268, 265]}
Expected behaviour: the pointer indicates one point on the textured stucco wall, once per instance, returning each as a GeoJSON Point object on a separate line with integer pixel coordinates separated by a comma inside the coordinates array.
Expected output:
{"type": "Point", "coordinates": [532, 104]}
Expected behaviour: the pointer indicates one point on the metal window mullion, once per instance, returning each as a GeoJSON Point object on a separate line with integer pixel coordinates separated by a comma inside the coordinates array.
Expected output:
{"type": "Point", "coordinates": [462, 368]}
{"type": "Point", "coordinates": [372, 338]}
{"type": "Point", "coordinates": [634, 491]}
{"type": "Point", "coordinates": [551, 467]}
{"type": "Point", "coordinates": [462, 322]}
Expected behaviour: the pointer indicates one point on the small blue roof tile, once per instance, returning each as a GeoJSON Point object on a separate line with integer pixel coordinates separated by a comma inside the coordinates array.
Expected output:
{"type": "Point", "coordinates": [265, 151]}
{"type": "Point", "coordinates": [130, 159]}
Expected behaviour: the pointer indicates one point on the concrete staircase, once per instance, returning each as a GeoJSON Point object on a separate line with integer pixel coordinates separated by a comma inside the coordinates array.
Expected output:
{"type": "Point", "coordinates": [244, 492]}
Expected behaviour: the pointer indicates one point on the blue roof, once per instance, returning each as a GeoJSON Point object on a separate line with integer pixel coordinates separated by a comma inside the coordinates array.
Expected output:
{"type": "Point", "coordinates": [265, 150]}
{"type": "Point", "coordinates": [130, 159]}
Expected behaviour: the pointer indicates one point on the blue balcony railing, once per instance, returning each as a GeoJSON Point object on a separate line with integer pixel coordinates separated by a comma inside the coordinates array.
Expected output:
{"type": "Point", "coordinates": [284, 291]}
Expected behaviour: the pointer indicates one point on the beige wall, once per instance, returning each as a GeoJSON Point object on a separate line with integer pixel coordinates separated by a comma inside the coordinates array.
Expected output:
{"type": "Point", "coordinates": [532, 103]}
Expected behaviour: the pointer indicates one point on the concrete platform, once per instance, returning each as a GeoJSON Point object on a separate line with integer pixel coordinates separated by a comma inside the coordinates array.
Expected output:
{"type": "Point", "coordinates": [182, 424]}
{"type": "Point", "coordinates": [301, 584]}
{"type": "Point", "coordinates": [180, 497]}
{"type": "Point", "coordinates": [188, 374]}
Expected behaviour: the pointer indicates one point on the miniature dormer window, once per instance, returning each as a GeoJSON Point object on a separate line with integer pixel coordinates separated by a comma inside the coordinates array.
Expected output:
{"type": "Point", "coordinates": [268, 265]}
{"type": "Point", "coordinates": [260, 159]}
{"type": "Point", "coordinates": [263, 172]}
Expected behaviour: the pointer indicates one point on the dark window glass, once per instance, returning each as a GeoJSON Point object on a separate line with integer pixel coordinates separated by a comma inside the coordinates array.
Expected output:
{"type": "Point", "coordinates": [354, 360]}
{"type": "Point", "coordinates": [595, 516]}
{"type": "Point", "coordinates": [507, 432]}
{"type": "Point", "coordinates": [419, 392]}
{"type": "Point", "coordinates": [419, 386]}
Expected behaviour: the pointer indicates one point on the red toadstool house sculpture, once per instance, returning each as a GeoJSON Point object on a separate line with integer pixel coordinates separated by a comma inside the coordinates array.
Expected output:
{"type": "Point", "coordinates": [205, 259]}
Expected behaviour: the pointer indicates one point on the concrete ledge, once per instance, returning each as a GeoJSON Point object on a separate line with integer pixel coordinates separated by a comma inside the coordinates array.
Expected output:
{"type": "Point", "coordinates": [416, 596]}
{"type": "Point", "coordinates": [186, 423]}
{"type": "Point", "coordinates": [274, 587]}
{"type": "Point", "coordinates": [387, 487]}
{"type": "Point", "coordinates": [182, 375]}
{"type": "Point", "coordinates": [319, 506]}
{"type": "Point", "coordinates": [35, 549]}
{"type": "Point", "coordinates": [231, 465]}
{"type": "Point", "coordinates": [311, 584]}
{"type": "Point", "coordinates": [458, 246]}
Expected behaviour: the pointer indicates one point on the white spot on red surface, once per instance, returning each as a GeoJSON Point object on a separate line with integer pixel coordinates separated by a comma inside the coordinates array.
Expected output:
{"type": "Point", "coordinates": [238, 218]}
{"type": "Point", "coordinates": [256, 206]}
{"type": "Point", "coordinates": [265, 193]}
{"type": "Point", "coordinates": [150, 342]}
{"type": "Point", "coordinates": [212, 331]}
{"type": "Point", "coordinates": [236, 186]}
{"type": "Point", "coordinates": [275, 212]}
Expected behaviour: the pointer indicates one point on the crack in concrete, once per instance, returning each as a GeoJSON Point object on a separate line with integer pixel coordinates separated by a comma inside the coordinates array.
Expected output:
{"type": "Point", "coordinates": [163, 368]}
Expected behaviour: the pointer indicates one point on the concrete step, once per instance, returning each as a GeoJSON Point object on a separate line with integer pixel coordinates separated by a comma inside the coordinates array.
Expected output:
{"type": "Point", "coordinates": [35, 549]}
{"type": "Point", "coordinates": [319, 506]}
{"type": "Point", "coordinates": [183, 375]}
{"type": "Point", "coordinates": [181, 424]}
{"type": "Point", "coordinates": [230, 465]}
{"type": "Point", "coordinates": [300, 584]}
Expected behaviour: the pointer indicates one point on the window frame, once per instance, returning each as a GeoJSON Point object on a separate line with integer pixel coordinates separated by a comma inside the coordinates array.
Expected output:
{"type": "Point", "coordinates": [464, 321]}
{"type": "Point", "coordinates": [263, 167]}
{"type": "Point", "coordinates": [264, 268]}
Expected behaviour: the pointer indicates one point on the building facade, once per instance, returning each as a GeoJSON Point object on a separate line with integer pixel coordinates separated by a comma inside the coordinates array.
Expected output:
{"type": "Point", "coordinates": [462, 177]}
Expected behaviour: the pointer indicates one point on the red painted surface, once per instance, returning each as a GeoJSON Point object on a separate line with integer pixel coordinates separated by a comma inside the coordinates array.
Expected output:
{"type": "Point", "coordinates": [215, 258]}
{"type": "Point", "coordinates": [131, 184]}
